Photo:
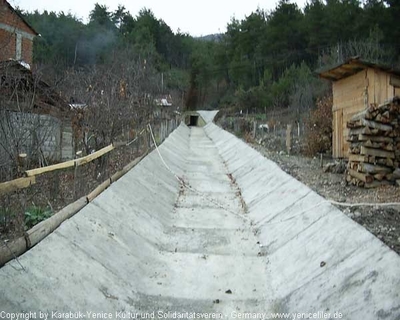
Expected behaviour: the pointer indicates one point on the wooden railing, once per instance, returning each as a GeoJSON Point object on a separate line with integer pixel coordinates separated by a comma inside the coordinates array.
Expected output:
{"type": "Point", "coordinates": [29, 179]}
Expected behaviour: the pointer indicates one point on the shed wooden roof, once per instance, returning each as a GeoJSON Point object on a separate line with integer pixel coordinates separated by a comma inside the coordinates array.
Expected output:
{"type": "Point", "coordinates": [353, 66]}
{"type": "Point", "coordinates": [15, 78]}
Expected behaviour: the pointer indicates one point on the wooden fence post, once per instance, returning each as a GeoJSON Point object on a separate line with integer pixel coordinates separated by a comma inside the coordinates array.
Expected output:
{"type": "Point", "coordinates": [149, 139]}
{"type": "Point", "coordinates": [289, 138]}
{"type": "Point", "coordinates": [139, 139]}
{"type": "Point", "coordinates": [22, 162]}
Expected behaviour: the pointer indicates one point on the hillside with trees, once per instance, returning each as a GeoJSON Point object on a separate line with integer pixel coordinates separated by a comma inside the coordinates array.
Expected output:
{"type": "Point", "coordinates": [266, 60]}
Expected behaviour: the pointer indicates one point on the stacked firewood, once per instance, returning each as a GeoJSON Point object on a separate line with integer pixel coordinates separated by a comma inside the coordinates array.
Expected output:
{"type": "Point", "coordinates": [374, 145]}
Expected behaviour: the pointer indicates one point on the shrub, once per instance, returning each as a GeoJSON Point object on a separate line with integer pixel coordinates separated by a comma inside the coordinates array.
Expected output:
{"type": "Point", "coordinates": [319, 128]}
{"type": "Point", "coordinates": [34, 215]}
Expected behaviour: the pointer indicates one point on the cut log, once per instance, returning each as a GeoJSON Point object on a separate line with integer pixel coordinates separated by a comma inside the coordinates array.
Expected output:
{"type": "Point", "coordinates": [376, 125]}
{"type": "Point", "coordinates": [93, 156]}
{"type": "Point", "coordinates": [368, 143]}
{"type": "Point", "coordinates": [70, 163]}
{"type": "Point", "coordinates": [92, 195]}
{"type": "Point", "coordinates": [355, 150]}
{"type": "Point", "coordinates": [365, 114]}
{"type": "Point", "coordinates": [386, 114]}
{"type": "Point", "coordinates": [376, 184]}
{"type": "Point", "coordinates": [382, 119]}
{"type": "Point", "coordinates": [54, 167]}
{"type": "Point", "coordinates": [359, 183]}
{"type": "Point", "coordinates": [374, 145]}
{"type": "Point", "coordinates": [361, 176]}
{"type": "Point", "coordinates": [358, 144]}
{"type": "Point", "coordinates": [357, 131]}
{"type": "Point", "coordinates": [396, 174]}
{"type": "Point", "coordinates": [370, 124]}
{"type": "Point", "coordinates": [353, 165]}
{"type": "Point", "coordinates": [371, 159]}
{"type": "Point", "coordinates": [17, 184]}
{"type": "Point", "coordinates": [384, 106]}
{"type": "Point", "coordinates": [379, 176]}
{"type": "Point", "coordinates": [377, 153]}
{"type": "Point", "coordinates": [353, 138]}
{"type": "Point", "coordinates": [373, 169]}
{"type": "Point", "coordinates": [388, 147]}
{"type": "Point", "coordinates": [357, 158]}
{"type": "Point", "coordinates": [372, 107]}
{"type": "Point", "coordinates": [363, 137]}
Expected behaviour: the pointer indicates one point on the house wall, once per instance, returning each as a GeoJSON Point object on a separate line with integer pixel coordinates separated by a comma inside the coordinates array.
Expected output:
{"type": "Point", "coordinates": [354, 94]}
{"type": "Point", "coordinates": [16, 38]}
{"type": "Point", "coordinates": [7, 45]}
{"type": "Point", "coordinates": [52, 135]}
{"type": "Point", "coordinates": [27, 50]}
{"type": "Point", "coordinates": [67, 142]}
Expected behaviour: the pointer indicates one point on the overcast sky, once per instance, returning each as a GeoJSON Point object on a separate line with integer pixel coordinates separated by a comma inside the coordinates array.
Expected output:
{"type": "Point", "coordinates": [199, 17]}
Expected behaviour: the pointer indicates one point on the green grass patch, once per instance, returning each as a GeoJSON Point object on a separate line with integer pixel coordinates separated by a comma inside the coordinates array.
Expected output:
{"type": "Point", "coordinates": [34, 215]}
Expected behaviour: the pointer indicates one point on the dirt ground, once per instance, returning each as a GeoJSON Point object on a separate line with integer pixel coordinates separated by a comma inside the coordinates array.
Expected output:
{"type": "Point", "coordinates": [55, 190]}
{"type": "Point", "coordinates": [384, 223]}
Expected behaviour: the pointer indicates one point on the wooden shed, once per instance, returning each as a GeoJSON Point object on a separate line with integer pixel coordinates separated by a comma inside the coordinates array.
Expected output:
{"type": "Point", "coordinates": [356, 84]}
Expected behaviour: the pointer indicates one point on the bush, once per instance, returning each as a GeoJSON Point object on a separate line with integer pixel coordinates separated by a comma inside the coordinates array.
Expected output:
{"type": "Point", "coordinates": [253, 99]}
{"type": "Point", "coordinates": [319, 128]}
{"type": "Point", "coordinates": [34, 215]}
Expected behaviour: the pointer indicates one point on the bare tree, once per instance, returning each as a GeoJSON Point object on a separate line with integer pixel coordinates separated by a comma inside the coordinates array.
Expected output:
{"type": "Point", "coordinates": [23, 129]}
{"type": "Point", "coordinates": [369, 49]}
{"type": "Point", "coordinates": [111, 99]}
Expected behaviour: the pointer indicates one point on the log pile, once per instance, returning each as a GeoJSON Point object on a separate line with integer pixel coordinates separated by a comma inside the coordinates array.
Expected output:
{"type": "Point", "coordinates": [374, 145]}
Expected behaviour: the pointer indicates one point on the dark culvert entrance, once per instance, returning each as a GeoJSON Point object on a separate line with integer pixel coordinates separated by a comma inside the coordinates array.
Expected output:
{"type": "Point", "coordinates": [193, 121]}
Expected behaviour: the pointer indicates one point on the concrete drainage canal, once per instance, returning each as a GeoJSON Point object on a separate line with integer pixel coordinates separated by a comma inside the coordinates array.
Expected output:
{"type": "Point", "coordinates": [207, 227]}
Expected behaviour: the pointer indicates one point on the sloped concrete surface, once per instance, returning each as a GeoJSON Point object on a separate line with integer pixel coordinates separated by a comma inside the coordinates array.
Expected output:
{"type": "Point", "coordinates": [318, 258]}
{"type": "Point", "coordinates": [241, 236]}
{"type": "Point", "coordinates": [208, 116]}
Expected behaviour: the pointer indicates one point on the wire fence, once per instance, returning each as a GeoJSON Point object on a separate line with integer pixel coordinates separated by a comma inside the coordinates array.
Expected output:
{"type": "Point", "coordinates": [24, 202]}
{"type": "Point", "coordinates": [280, 130]}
